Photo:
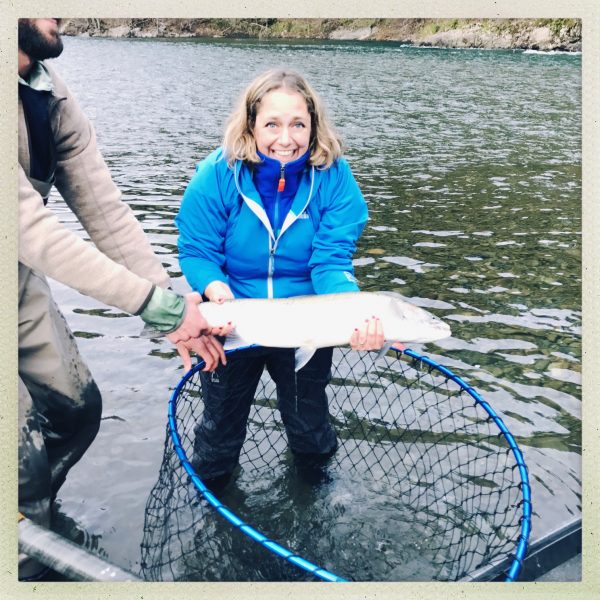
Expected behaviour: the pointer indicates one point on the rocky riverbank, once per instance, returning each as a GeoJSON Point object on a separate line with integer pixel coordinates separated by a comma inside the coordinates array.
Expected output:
{"type": "Point", "coordinates": [535, 34]}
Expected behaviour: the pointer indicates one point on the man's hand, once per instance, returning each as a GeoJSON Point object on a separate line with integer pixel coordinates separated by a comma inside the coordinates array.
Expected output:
{"type": "Point", "coordinates": [194, 324]}
{"type": "Point", "coordinates": [207, 347]}
{"type": "Point", "coordinates": [196, 335]}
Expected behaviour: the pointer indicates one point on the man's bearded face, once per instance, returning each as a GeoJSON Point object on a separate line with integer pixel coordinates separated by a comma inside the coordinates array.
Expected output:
{"type": "Point", "coordinates": [39, 38]}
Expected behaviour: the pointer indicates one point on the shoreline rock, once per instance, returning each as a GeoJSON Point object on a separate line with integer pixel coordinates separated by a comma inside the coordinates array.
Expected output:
{"type": "Point", "coordinates": [532, 34]}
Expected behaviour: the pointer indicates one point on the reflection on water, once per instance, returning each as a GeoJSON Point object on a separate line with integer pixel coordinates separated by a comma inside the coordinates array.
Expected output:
{"type": "Point", "coordinates": [470, 162]}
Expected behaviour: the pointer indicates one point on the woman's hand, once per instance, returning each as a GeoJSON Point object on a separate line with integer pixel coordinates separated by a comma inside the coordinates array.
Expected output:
{"type": "Point", "coordinates": [369, 336]}
{"type": "Point", "coordinates": [207, 347]}
{"type": "Point", "coordinates": [218, 291]}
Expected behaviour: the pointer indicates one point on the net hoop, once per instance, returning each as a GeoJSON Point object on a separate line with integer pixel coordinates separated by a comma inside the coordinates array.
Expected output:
{"type": "Point", "coordinates": [304, 564]}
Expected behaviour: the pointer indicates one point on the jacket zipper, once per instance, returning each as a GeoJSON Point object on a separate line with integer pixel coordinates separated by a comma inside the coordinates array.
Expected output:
{"type": "Point", "coordinates": [276, 232]}
{"type": "Point", "coordinates": [272, 248]}
{"type": "Point", "coordinates": [280, 188]}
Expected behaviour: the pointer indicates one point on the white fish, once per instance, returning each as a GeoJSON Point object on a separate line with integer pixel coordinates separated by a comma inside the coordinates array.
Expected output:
{"type": "Point", "coordinates": [318, 321]}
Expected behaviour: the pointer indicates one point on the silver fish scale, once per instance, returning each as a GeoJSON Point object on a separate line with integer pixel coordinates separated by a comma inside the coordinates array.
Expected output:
{"type": "Point", "coordinates": [321, 320]}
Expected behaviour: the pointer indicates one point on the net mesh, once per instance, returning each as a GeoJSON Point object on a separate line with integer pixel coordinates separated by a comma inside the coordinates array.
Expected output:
{"type": "Point", "coordinates": [422, 487]}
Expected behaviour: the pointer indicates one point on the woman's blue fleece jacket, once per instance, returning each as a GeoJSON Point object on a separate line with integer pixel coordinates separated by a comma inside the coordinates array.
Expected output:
{"type": "Point", "coordinates": [225, 233]}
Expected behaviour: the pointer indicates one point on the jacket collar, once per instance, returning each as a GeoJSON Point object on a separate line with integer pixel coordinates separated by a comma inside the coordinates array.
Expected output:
{"type": "Point", "coordinates": [309, 184]}
{"type": "Point", "coordinates": [39, 78]}
{"type": "Point", "coordinates": [269, 167]}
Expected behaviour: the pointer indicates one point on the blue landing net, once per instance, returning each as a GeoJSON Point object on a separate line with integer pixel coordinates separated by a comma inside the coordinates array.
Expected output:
{"type": "Point", "coordinates": [427, 484]}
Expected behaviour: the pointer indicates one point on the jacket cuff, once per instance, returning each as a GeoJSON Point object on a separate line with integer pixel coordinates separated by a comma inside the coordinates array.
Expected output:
{"type": "Point", "coordinates": [334, 282]}
{"type": "Point", "coordinates": [145, 303]}
{"type": "Point", "coordinates": [164, 311]}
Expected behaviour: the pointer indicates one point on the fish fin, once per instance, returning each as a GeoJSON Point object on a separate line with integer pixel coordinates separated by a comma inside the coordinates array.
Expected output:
{"type": "Point", "coordinates": [234, 340]}
{"type": "Point", "coordinates": [396, 346]}
{"type": "Point", "coordinates": [303, 355]}
{"type": "Point", "coordinates": [384, 350]}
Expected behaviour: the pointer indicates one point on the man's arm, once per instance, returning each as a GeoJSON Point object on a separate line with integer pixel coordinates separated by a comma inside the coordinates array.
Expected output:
{"type": "Point", "coordinates": [47, 246]}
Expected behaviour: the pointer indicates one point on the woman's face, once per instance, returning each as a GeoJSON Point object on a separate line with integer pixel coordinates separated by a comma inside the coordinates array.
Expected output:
{"type": "Point", "coordinates": [282, 128]}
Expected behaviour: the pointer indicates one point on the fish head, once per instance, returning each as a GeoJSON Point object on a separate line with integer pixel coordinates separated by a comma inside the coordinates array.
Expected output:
{"type": "Point", "coordinates": [413, 323]}
{"type": "Point", "coordinates": [434, 329]}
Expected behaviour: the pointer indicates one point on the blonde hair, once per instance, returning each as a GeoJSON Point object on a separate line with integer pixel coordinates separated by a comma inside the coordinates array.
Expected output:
{"type": "Point", "coordinates": [239, 144]}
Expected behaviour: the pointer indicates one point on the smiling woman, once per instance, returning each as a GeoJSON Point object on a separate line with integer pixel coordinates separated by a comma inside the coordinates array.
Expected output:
{"type": "Point", "coordinates": [282, 129]}
{"type": "Point", "coordinates": [260, 220]}
{"type": "Point", "coordinates": [271, 97]}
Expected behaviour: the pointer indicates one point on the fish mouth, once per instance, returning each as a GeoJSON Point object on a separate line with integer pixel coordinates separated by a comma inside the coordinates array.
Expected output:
{"type": "Point", "coordinates": [434, 331]}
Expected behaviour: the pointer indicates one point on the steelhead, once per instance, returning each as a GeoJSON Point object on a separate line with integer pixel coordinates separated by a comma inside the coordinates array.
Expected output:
{"type": "Point", "coordinates": [318, 321]}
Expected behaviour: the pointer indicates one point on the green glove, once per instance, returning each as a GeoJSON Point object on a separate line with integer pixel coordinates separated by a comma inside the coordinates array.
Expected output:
{"type": "Point", "coordinates": [165, 310]}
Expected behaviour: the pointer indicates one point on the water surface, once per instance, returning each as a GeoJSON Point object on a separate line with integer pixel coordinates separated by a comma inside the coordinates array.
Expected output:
{"type": "Point", "coordinates": [470, 161]}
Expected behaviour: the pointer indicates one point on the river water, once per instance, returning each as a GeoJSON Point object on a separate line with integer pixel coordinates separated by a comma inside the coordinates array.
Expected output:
{"type": "Point", "coordinates": [470, 161]}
